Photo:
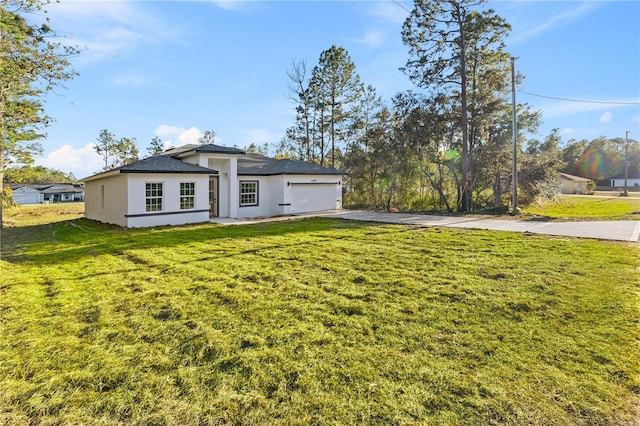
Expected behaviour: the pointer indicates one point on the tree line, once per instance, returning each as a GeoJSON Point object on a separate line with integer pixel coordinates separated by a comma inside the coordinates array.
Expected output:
{"type": "Point", "coordinates": [447, 144]}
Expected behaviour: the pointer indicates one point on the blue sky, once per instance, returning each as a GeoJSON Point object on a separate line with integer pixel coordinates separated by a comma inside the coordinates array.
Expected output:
{"type": "Point", "coordinates": [176, 69]}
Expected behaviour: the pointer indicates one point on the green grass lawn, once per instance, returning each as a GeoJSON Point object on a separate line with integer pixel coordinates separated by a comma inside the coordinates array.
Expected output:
{"type": "Point", "coordinates": [316, 321]}
{"type": "Point", "coordinates": [588, 208]}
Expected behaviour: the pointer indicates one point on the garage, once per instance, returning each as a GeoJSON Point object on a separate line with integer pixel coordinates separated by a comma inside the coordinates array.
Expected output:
{"type": "Point", "coordinates": [312, 197]}
{"type": "Point", "coordinates": [26, 195]}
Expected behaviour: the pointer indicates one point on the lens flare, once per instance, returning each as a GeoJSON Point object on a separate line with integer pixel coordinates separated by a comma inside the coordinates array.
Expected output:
{"type": "Point", "coordinates": [597, 164]}
{"type": "Point", "coordinates": [450, 154]}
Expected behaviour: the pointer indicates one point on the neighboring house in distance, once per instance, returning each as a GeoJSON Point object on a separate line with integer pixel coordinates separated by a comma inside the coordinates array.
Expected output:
{"type": "Point", "coordinates": [570, 184]}
{"type": "Point", "coordinates": [24, 193]}
{"type": "Point", "coordinates": [618, 182]}
{"type": "Point", "coordinates": [194, 183]}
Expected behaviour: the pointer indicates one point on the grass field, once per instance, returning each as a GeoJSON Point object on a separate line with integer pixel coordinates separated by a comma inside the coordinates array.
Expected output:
{"type": "Point", "coordinates": [588, 208]}
{"type": "Point", "coordinates": [315, 321]}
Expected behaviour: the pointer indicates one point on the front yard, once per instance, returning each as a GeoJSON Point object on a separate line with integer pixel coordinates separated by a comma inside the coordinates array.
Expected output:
{"type": "Point", "coordinates": [314, 321]}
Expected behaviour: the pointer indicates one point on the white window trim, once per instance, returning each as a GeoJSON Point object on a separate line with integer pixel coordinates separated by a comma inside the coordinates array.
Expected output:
{"type": "Point", "coordinates": [192, 196]}
{"type": "Point", "coordinates": [257, 191]}
{"type": "Point", "coordinates": [161, 197]}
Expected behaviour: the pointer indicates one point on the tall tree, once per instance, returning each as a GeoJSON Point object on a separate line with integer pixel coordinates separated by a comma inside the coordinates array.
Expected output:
{"type": "Point", "coordinates": [116, 152]}
{"type": "Point", "coordinates": [336, 87]}
{"type": "Point", "coordinates": [125, 152]}
{"type": "Point", "coordinates": [208, 138]}
{"type": "Point", "coordinates": [446, 39]}
{"type": "Point", "coordinates": [32, 63]}
{"type": "Point", "coordinates": [105, 147]}
{"type": "Point", "coordinates": [300, 136]}
{"type": "Point", "coordinates": [156, 146]}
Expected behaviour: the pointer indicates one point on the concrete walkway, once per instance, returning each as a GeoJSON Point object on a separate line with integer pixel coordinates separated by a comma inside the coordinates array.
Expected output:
{"type": "Point", "coordinates": [612, 230]}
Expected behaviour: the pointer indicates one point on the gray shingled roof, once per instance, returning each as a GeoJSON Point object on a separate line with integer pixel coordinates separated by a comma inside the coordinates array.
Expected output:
{"type": "Point", "coordinates": [259, 165]}
{"type": "Point", "coordinates": [204, 149]}
{"type": "Point", "coordinates": [163, 164]}
{"type": "Point", "coordinates": [159, 164]}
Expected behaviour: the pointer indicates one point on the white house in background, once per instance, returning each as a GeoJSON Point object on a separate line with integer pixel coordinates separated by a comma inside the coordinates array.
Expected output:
{"type": "Point", "coordinates": [618, 182]}
{"type": "Point", "coordinates": [195, 183]}
{"type": "Point", "coordinates": [37, 193]}
{"type": "Point", "coordinates": [570, 184]}
{"type": "Point", "coordinates": [25, 194]}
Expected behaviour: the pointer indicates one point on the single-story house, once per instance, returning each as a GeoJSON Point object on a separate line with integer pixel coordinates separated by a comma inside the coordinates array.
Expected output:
{"type": "Point", "coordinates": [24, 193]}
{"type": "Point", "coordinates": [570, 184]}
{"type": "Point", "coordinates": [618, 182]}
{"type": "Point", "coordinates": [195, 183]}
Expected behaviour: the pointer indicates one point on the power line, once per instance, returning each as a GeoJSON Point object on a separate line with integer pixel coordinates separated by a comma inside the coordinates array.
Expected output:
{"type": "Point", "coordinates": [580, 100]}
{"type": "Point", "coordinates": [396, 2]}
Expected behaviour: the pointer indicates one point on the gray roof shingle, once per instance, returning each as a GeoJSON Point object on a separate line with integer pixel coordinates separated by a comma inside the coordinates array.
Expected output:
{"type": "Point", "coordinates": [159, 164]}
{"type": "Point", "coordinates": [203, 149]}
{"type": "Point", "coordinates": [259, 165]}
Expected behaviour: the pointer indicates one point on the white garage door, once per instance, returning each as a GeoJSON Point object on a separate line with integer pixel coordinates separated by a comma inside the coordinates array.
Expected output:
{"type": "Point", "coordinates": [313, 197]}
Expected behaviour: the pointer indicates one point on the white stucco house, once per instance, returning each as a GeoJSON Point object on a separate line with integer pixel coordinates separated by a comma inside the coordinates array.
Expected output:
{"type": "Point", "coordinates": [618, 182]}
{"type": "Point", "coordinates": [570, 184]}
{"type": "Point", "coordinates": [195, 183]}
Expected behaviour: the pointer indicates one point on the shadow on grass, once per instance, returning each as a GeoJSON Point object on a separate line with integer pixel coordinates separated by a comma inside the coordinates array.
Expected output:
{"type": "Point", "coordinates": [69, 241]}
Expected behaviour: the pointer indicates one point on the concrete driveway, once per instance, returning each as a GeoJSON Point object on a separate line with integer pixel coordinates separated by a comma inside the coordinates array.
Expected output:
{"type": "Point", "coordinates": [612, 230]}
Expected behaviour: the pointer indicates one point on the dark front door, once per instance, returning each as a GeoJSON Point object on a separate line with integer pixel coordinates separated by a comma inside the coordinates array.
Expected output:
{"type": "Point", "coordinates": [213, 196]}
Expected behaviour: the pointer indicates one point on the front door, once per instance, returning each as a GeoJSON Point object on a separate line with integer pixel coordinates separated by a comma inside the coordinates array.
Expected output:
{"type": "Point", "coordinates": [213, 196]}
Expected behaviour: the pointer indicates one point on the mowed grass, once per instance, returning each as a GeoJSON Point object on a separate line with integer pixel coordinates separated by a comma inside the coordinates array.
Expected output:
{"type": "Point", "coordinates": [316, 321]}
{"type": "Point", "coordinates": [588, 208]}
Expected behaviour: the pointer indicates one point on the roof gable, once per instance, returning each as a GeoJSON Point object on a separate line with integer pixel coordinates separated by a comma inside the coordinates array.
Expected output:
{"type": "Point", "coordinates": [574, 178]}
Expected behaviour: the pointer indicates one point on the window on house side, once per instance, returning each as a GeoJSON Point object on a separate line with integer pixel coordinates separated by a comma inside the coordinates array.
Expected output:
{"type": "Point", "coordinates": [187, 195]}
{"type": "Point", "coordinates": [248, 193]}
{"type": "Point", "coordinates": [153, 196]}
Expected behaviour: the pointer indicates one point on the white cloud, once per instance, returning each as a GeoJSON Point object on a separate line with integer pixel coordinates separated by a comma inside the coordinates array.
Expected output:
{"type": "Point", "coordinates": [81, 162]}
{"type": "Point", "coordinates": [370, 39]}
{"type": "Point", "coordinates": [635, 119]}
{"type": "Point", "coordinates": [392, 12]}
{"type": "Point", "coordinates": [111, 28]}
{"type": "Point", "coordinates": [178, 136]}
{"type": "Point", "coordinates": [567, 131]}
{"type": "Point", "coordinates": [558, 20]}
{"type": "Point", "coordinates": [229, 4]}
{"type": "Point", "coordinates": [606, 117]}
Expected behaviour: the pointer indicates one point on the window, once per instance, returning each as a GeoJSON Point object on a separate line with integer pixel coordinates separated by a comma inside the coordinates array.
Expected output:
{"type": "Point", "coordinates": [187, 195]}
{"type": "Point", "coordinates": [153, 196]}
{"type": "Point", "coordinates": [248, 193]}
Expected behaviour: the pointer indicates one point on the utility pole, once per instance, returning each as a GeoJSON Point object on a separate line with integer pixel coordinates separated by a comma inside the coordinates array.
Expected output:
{"type": "Point", "coordinates": [626, 163]}
{"type": "Point", "coordinates": [514, 189]}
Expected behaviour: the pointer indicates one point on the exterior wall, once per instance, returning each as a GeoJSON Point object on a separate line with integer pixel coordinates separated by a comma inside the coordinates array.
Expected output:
{"type": "Point", "coordinates": [619, 183]}
{"type": "Point", "coordinates": [227, 167]}
{"type": "Point", "coordinates": [275, 194]}
{"type": "Point", "coordinates": [171, 214]}
{"type": "Point", "coordinates": [111, 209]}
{"type": "Point", "coordinates": [26, 195]}
{"type": "Point", "coordinates": [325, 192]}
{"type": "Point", "coordinates": [572, 187]}
{"type": "Point", "coordinates": [268, 194]}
